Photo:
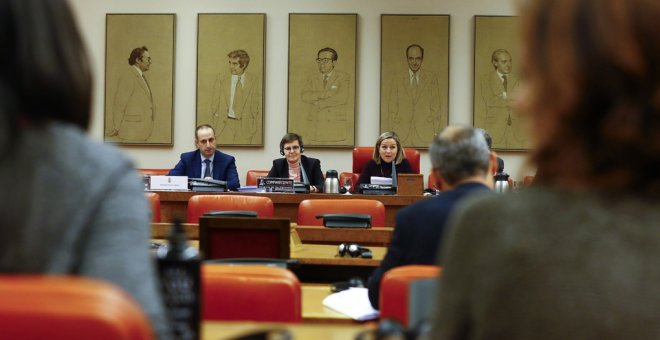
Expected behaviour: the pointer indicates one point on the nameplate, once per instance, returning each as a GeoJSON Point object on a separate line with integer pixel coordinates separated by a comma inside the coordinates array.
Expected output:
{"type": "Point", "coordinates": [271, 184]}
{"type": "Point", "coordinates": [169, 183]}
{"type": "Point", "coordinates": [410, 184]}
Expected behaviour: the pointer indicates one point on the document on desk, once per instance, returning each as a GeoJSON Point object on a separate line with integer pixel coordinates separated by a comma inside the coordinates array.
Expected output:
{"type": "Point", "coordinates": [353, 302]}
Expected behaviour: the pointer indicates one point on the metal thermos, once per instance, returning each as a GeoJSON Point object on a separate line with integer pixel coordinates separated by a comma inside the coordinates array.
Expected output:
{"type": "Point", "coordinates": [501, 182]}
{"type": "Point", "coordinates": [331, 184]}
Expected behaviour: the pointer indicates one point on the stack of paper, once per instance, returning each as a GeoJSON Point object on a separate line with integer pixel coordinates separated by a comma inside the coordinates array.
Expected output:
{"type": "Point", "coordinates": [353, 302]}
{"type": "Point", "coordinates": [381, 180]}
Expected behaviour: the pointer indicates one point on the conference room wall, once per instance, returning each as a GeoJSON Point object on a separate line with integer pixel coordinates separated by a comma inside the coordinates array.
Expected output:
{"type": "Point", "coordinates": [91, 20]}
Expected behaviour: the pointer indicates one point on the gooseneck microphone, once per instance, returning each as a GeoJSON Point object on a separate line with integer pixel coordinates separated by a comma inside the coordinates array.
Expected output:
{"type": "Point", "coordinates": [394, 179]}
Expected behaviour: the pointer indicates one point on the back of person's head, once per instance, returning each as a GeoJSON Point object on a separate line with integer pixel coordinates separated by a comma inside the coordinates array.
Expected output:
{"type": "Point", "coordinates": [460, 152]}
{"type": "Point", "coordinates": [400, 154]}
{"type": "Point", "coordinates": [592, 92]}
{"type": "Point", "coordinates": [44, 71]}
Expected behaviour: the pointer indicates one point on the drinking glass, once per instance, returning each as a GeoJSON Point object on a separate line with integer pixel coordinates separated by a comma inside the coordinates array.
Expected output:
{"type": "Point", "coordinates": [348, 183]}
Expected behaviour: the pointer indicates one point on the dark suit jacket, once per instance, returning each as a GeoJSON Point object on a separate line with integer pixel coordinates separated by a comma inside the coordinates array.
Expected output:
{"type": "Point", "coordinates": [418, 233]}
{"type": "Point", "coordinates": [224, 168]}
{"type": "Point", "coordinates": [312, 168]}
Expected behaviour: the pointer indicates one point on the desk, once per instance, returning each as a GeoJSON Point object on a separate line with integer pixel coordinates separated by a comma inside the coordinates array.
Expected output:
{"type": "Point", "coordinates": [173, 203]}
{"type": "Point", "coordinates": [378, 236]}
{"type": "Point", "coordinates": [217, 330]}
{"type": "Point", "coordinates": [313, 310]}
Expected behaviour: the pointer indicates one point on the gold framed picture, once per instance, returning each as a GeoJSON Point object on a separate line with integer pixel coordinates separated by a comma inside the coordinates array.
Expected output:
{"type": "Point", "coordinates": [414, 73]}
{"type": "Point", "coordinates": [231, 64]}
{"type": "Point", "coordinates": [139, 74]}
{"type": "Point", "coordinates": [496, 81]}
{"type": "Point", "coordinates": [322, 70]}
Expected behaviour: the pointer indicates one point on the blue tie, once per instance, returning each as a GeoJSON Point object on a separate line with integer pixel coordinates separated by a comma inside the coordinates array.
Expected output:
{"type": "Point", "coordinates": [207, 171]}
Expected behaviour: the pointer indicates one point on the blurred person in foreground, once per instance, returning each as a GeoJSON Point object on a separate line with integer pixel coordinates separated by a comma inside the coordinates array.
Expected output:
{"type": "Point", "coordinates": [70, 205]}
{"type": "Point", "coordinates": [577, 256]}
{"type": "Point", "coordinates": [464, 164]}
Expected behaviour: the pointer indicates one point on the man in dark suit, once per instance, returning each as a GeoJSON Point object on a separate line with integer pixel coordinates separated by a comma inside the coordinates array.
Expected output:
{"type": "Point", "coordinates": [206, 161]}
{"type": "Point", "coordinates": [297, 166]}
{"type": "Point", "coordinates": [462, 163]}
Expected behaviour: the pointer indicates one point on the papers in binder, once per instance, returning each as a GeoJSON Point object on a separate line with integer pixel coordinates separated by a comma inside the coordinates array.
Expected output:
{"type": "Point", "coordinates": [353, 302]}
{"type": "Point", "coordinates": [381, 180]}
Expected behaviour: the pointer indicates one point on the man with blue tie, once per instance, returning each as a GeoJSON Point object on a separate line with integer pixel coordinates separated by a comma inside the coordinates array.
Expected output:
{"type": "Point", "coordinates": [207, 160]}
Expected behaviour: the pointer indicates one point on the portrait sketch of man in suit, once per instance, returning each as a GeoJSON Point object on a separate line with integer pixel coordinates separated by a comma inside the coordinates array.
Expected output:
{"type": "Point", "coordinates": [414, 101]}
{"type": "Point", "coordinates": [327, 92]}
{"type": "Point", "coordinates": [498, 88]}
{"type": "Point", "coordinates": [496, 82]}
{"type": "Point", "coordinates": [139, 91]}
{"type": "Point", "coordinates": [231, 60]}
{"type": "Point", "coordinates": [322, 69]}
{"type": "Point", "coordinates": [133, 107]}
{"type": "Point", "coordinates": [414, 75]}
{"type": "Point", "coordinates": [236, 100]}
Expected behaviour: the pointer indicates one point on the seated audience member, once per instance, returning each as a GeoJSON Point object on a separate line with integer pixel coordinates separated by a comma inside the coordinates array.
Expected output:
{"type": "Point", "coordinates": [500, 161]}
{"type": "Point", "coordinates": [463, 163]}
{"type": "Point", "coordinates": [388, 149]}
{"type": "Point", "coordinates": [295, 165]}
{"type": "Point", "coordinates": [207, 161]}
{"type": "Point", "coordinates": [575, 256]}
{"type": "Point", "coordinates": [69, 205]}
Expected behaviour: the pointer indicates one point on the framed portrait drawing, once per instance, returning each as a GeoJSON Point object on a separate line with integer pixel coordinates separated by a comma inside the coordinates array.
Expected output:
{"type": "Point", "coordinates": [414, 73]}
{"type": "Point", "coordinates": [496, 80]}
{"type": "Point", "coordinates": [322, 70]}
{"type": "Point", "coordinates": [231, 54]}
{"type": "Point", "coordinates": [139, 79]}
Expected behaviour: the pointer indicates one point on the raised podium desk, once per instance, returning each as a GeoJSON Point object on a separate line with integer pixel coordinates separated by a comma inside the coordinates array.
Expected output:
{"type": "Point", "coordinates": [174, 203]}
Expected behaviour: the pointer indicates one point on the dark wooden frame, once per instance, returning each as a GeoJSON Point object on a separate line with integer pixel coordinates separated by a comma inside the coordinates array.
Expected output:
{"type": "Point", "coordinates": [209, 224]}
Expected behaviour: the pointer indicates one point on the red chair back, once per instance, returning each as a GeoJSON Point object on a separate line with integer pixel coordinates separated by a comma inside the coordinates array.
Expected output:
{"type": "Point", "coordinates": [353, 176]}
{"type": "Point", "coordinates": [154, 203]}
{"type": "Point", "coordinates": [394, 289]}
{"type": "Point", "coordinates": [67, 307]}
{"type": "Point", "coordinates": [362, 154]}
{"type": "Point", "coordinates": [200, 204]}
{"type": "Point", "coordinates": [432, 182]}
{"type": "Point", "coordinates": [250, 293]}
{"type": "Point", "coordinates": [252, 175]}
{"type": "Point", "coordinates": [308, 209]}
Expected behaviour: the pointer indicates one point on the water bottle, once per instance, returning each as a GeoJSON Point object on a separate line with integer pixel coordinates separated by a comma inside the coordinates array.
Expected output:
{"type": "Point", "coordinates": [501, 182]}
{"type": "Point", "coordinates": [331, 184]}
{"type": "Point", "coordinates": [179, 269]}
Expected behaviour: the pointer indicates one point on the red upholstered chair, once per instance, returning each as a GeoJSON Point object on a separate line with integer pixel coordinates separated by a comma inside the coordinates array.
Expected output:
{"type": "Point", "coordinates": [252, 175]}
{"type": "Point", "coordinates": [528, 180]}
{"type": "Point", "coordinates": [394, 289]}
{"type": "Point", "coordinates": [200, 204]}
{"type": "Point", "coordinates": [67, 307]}
{"type": "Point", "coordinates": [250, 293]}
{"type": "Point", "coordinates": [308, 209]}
{"type": "Point", "coordinates": [154, 172]}
{"type": "Point", "coordinates": [432, 182]}
{"type": "Point", "coordinates": [154, 203]}
{"type": "Point", "coordinates": [362, 154]}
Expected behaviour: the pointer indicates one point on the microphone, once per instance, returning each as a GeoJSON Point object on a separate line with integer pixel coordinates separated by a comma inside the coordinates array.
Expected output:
{"type": "Point", "coordinates": [394, 179]}
{"type": "Point", "coordinates": [304, 175]}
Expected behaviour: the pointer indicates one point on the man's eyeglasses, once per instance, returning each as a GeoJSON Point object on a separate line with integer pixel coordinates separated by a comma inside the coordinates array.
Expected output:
{"type": "Point", "coordinates": [323, 60]}
{"type": "Point", "coordinates": [292, 148]}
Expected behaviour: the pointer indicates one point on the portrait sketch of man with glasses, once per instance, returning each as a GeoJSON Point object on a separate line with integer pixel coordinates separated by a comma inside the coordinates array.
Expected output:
{"type": "Point", "coordinates": [327, 91]}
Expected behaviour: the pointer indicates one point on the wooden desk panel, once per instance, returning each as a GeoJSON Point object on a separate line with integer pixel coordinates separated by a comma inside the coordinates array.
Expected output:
{"type": "Point", "coordinates": [321, 254]}
{"type": "Point", "coordinates": [214, 330]}
{"type": "Point", "coordinates": [380, 236]}
{"type": "Point", "coordinates": [174, 203]}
